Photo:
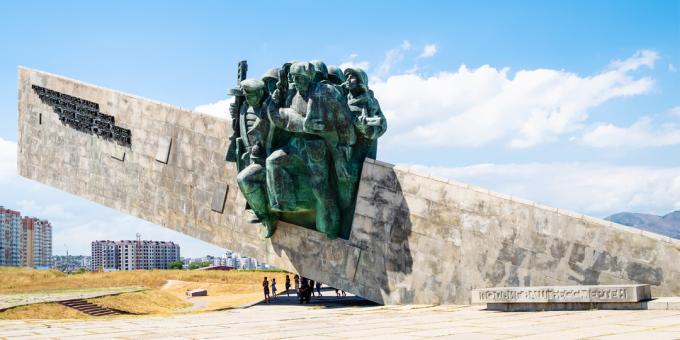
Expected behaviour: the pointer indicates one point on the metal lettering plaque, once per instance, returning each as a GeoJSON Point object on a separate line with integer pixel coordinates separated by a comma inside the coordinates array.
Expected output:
{"type": "Point", "coordinates": [83, 115]}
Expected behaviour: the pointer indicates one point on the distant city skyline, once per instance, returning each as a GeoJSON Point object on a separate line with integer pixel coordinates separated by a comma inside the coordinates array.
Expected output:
{"type": "Point", "coordinates": [573, 105]}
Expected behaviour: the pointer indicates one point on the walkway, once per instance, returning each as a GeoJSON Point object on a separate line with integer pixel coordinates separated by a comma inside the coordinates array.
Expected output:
{"type": "Point", "coordinates": [396, 322]}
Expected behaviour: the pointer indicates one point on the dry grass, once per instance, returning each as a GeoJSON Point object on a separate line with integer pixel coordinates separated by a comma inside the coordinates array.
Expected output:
{"type": "Point", "coordinates": [225, 295]}
{"type": "Point", "coordinates": [22, 280]}
{"type": "Point", "coordinates": [42, 311]}
{"type": "Point", "coordinates": [146, 302]}
{"type": "Point", "coordinates": [226, 289]}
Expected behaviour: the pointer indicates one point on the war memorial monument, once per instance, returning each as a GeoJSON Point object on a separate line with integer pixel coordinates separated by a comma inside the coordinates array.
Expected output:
{"type": "Point", "coordinates": [290, 177]}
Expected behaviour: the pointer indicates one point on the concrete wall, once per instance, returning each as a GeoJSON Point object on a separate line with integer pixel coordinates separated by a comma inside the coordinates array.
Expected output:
{"type": "Point", "coordinates": [415, 238]}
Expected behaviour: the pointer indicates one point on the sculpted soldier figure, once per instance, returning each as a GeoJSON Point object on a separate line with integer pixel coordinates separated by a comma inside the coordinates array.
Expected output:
{"type": "Point", "coordinates": [335, 75]}
{"type": "Point", "coordinates": [320, 146]}
{"type": "Point", "coordinates": [254, 133]}
{"type": "Point", "coordinates": [270, 78]}
{"type": "Point", "coordinates": [320, 71]}
{"type": "Point", "coordinates": [300, 137]}
{"type": "Point", "coordinates": [368, 118]}
{"type": "Point", "coordinates": [337, 78]}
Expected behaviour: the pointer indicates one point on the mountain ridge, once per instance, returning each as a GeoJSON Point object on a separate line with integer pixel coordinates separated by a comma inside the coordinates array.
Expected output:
{"type": "Point", "coordinates": [667, 225]}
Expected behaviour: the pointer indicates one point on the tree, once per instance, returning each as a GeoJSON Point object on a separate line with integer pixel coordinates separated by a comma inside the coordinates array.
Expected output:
{"type": "Point", "coordinates": [178, 264]}
{"type": "Point", "coordinates": [196, 265]}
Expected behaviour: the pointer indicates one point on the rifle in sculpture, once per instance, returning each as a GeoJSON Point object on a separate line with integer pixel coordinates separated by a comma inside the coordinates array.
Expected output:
{"type": "Point", "coordinates": [234, 110]}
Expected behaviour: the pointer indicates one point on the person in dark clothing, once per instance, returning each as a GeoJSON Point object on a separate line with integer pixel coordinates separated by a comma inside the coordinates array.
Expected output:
{"type": "Point", "coordinates": [311, 287]}
{"type": "Point", "coordinates": [318, 288]}
{"type": "Point", "coordinates": [287, 285]}
{"type": "Point", "coordinates": [308, 296]}
{"type": "Point", "coordinates": [265, 285]}
{"type": "Point", "coordinates": [296, 278]}
{"type": "Point", "coordinates": [302, 291]}
{"type": "Point", "coordinates": [337, 292]}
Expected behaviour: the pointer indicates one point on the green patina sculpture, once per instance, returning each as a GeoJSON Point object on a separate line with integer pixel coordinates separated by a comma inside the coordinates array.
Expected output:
{"type": "Point", "coordinates": [301, 135]}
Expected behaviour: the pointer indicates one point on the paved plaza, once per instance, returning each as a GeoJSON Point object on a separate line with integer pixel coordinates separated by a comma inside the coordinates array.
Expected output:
{"type": "Point", "coordinates": [279, 321]}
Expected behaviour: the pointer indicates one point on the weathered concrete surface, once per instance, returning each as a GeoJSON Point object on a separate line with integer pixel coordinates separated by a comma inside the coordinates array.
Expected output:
{"type": "Point", "coordinates": [415, 238]}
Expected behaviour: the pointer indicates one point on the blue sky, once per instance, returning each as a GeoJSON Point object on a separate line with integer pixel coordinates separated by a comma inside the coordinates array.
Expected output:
{"type": "Point", "coordinates": [573, 104]}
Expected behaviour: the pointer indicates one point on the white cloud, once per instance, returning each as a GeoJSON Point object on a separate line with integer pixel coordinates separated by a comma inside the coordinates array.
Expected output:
{"type": "Point", "coordinates": [674, 111]}
{"type": "Point", "coordinates": [672, 68]}
{"type": "Point", "coordinates": [352, 62]}
{"type": "Point", "coordinates": [8, 160]}
{"type": "Point", "coordinates": [474, 107]}
{"type": "Point", "coordinates": [592, 189]}
{"type": "Point", "coordinates": [78, 234]}
{"type": "Point", "coordinates": [392, 58]}
{"type": "Point", "coordinates": [428, 51]}
{"type": "Point", "coordinates": [364, 65]}
{"type": "Point", "coordinates": [219, 109]}
{"type": "Point", "coordinates": [76, 221]}
{"type": "Point", "coordinates": [640, 58]}
{"type": "Point", "coordinates": [642, 133]}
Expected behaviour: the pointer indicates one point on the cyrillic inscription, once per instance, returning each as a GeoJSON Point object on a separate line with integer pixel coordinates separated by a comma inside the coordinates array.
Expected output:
{"type": "Point", "coordinates": [83, 115]}
{"type": "Point", "coordinates": [623, 293]}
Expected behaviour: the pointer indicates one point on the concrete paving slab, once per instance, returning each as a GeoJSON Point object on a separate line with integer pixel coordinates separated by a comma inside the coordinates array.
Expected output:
{"type": "Point", "coordinates": [299, 322]}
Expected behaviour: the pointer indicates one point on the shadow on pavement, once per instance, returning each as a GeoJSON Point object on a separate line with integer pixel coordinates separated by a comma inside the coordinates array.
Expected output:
{"type": "Point", "coordinates": [329, 299]}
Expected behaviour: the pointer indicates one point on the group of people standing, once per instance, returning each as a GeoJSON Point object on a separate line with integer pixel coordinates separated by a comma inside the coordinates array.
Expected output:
{"type": "Point", "coordinates": [304, 288]}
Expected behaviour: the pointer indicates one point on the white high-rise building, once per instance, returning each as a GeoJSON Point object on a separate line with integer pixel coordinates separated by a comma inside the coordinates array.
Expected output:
{"type": "Point", "coordinates": [131, 255]}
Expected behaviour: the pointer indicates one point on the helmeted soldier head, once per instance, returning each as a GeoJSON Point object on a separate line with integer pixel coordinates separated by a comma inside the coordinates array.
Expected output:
{"type": "Point", "coordinates": [270, 78]}
{"type": "Point", "coordinates": [335, 75]}
{"type": "Point", "coordinates": [253, 89]}
{"type": "Point", "coordinates": [302, 75]}
{"type": "Point", "coordinates": [320, 70]}
{"type": "Point", "coordinates": [357, 80]}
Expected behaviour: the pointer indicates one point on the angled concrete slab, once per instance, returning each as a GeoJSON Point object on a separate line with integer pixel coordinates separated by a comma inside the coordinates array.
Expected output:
{"type": "Point", "coordinates": [415, 238]}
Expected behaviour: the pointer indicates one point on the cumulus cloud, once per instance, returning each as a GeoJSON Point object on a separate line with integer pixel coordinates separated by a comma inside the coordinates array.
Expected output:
{"type": "Point", "coordinates": [76, 221]}
{"type": "Point", "coordinates": [674, 111]}
{"type": "Point", "coordinates": [428, 51]}
{"type": "Point", "coordinates": [592, 189]}
{"type": "Point", "coordinates": [219, 109]}
{"type": "Point", "coordinates": [8, 160]}
{"type": "Point", "coordinates": [364, 65]}
{"type": "Point", "coordinates": [640, 58]}
{"type": "Point", "coordinates": [642, 133]}
{"type": "Point", "coordinates": [79, 233]}
{"type": "Point", "coordinates": [352, 62]}
{"type": "Point", "coordinates": [392, 58]}
{"type": "Point", "coordinates": [473, 107]}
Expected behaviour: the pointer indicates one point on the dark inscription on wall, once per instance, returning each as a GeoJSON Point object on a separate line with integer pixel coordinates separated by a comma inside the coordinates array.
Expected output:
{"type": "Point", "coordinates": [83, 115]}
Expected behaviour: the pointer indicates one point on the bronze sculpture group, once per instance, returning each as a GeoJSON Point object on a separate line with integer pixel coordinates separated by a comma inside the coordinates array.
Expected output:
{"type": "Point", "coordinates": [300, 137]}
